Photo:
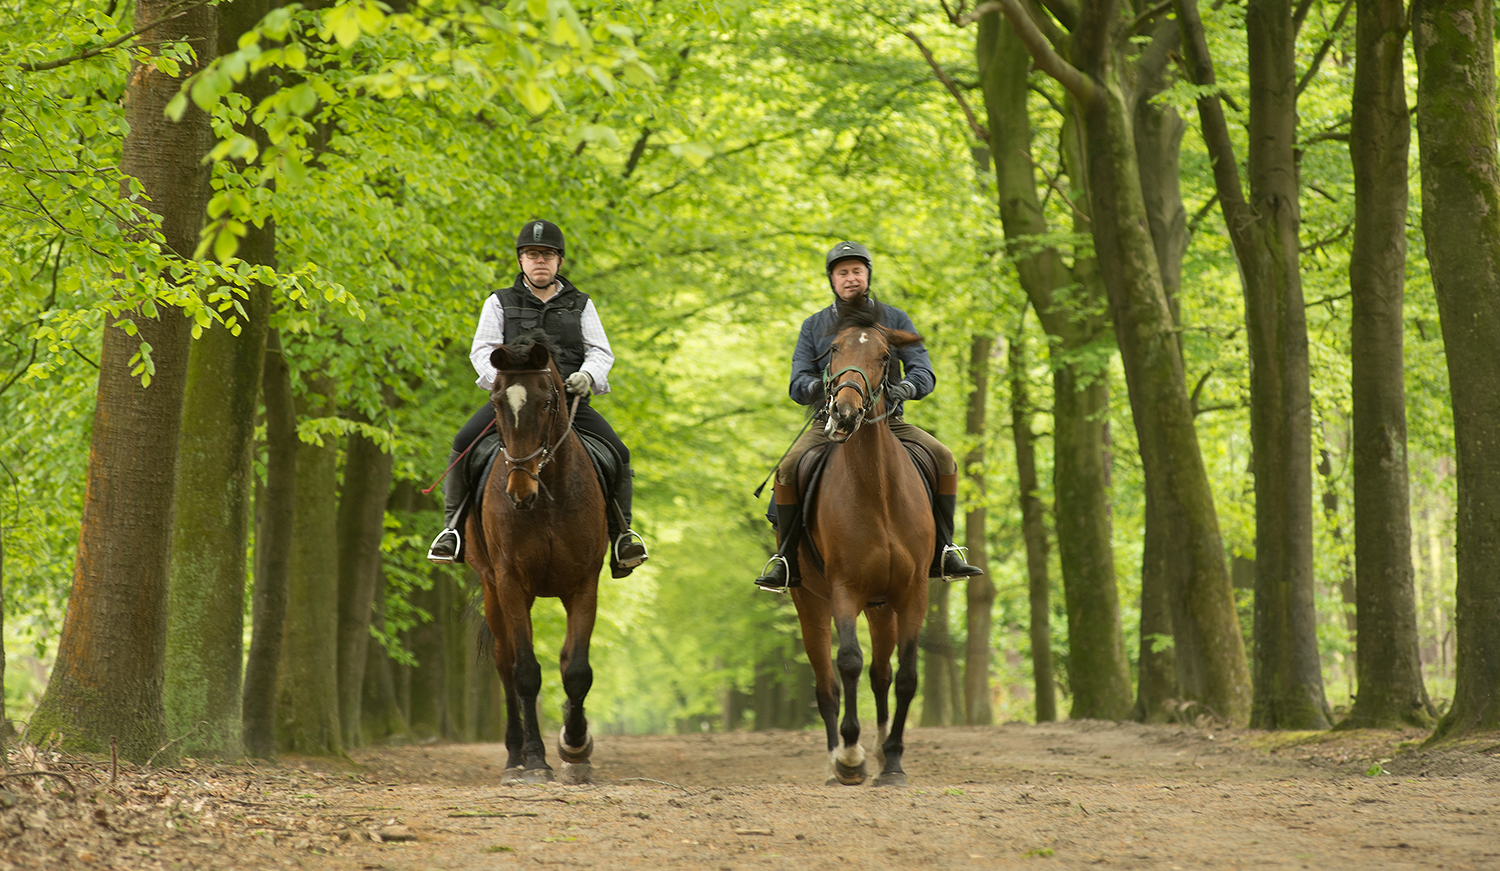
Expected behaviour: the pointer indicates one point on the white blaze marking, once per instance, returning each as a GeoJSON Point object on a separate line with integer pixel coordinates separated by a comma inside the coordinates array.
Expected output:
{"type": "Point", "coordinates": [863, 337]}
{"type": "Point", "coordinates": [516, 396]}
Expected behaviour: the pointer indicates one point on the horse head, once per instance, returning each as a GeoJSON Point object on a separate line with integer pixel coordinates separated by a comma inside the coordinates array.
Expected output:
{"type": "Point", "coordinates": [859, 362]}
{"type": "Point", "coordinates": [529, 409]}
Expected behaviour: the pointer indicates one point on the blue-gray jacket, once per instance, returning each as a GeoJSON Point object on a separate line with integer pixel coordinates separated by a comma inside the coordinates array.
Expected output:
{"type": "Point", "coordinates": [810, 358]}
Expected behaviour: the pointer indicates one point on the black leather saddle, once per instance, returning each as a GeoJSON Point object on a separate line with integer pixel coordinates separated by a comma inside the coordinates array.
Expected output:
{"type": "Point", "coordinates": [481, 461]}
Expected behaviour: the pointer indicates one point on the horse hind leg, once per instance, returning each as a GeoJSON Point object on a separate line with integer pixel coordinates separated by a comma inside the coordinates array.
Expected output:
{"type": "Point", "coordinates": [575, 743]}
{"type": "Point", "coordinates": [882, 623]}
{"type": "Point", "coordinates": [891, 773]}
{"type": "Point", "coordinates": [847, 761]}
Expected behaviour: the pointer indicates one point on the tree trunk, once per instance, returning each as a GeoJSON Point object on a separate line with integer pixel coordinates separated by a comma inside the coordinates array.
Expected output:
{"type": "Point", "coordinates": [1099, 672]}
{"type": "Point", "coordinates": [1263, 230]}
{"type": "Point", "coordinates": [107, 680]}
{"type": "Point", "coordinates": [205, 608]}
{"type": "Point", "coordinates": [427, 701]}
{"type": "Point", "coordinates": [6, 729]}
{"type": "Point", "coordinates": [307, 701]}
{"type": "Point", "coordinates": [273, 554]}
{"type": "Point", "coordinates": [1158, 137]}
{"type": "Point", "coordinates": [1454, 49]}
{"type": "Point", "coordinates": [458, 659]}
{"type": "Point", "coordinates": [1034, 533]}
{"type": "Point", "coordinates": [979, 591]}
{"type": "Point", "coordinates": [1388, 663]}
{"type": "Point", "coordinates": [361, 525]}
{"type": "Point", "coordinates": [939, 693]}
{"type": "Point", "coordinates": [380, 715]}
{"type": "Point", "coordinates": [1170, 456]}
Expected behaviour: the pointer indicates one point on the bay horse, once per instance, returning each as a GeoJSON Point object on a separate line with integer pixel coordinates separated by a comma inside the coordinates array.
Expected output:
{"type": "Point", "coordinates": [540, 532]}
{"type": "Point", "coordinates": [872, 524]}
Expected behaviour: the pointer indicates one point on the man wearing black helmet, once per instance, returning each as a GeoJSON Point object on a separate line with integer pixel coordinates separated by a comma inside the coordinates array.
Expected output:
{"type": "Point", "coordinates": [849, 269]}
{"type": "Point", "coordinates": [541, 298]}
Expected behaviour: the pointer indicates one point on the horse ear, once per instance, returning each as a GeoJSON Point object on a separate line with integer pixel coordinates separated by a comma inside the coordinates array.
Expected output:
{"type": "Point", "coordinates": [902, 338]}
{"type": "Point", "coordinates": [500, 357]}
{"type": "Point", "coordinates": [538, 357]}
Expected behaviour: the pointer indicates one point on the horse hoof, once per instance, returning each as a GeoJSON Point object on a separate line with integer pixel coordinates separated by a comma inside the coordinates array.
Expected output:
{"type": "Point", "coordinates": [537, 775]}
{"type": "Point", "coordinates": [512, 776]}
{"type": "Point", "coordinates": [580, 774]}
{"type": "Point", "coordinates": [575, 755]}
{"type": "Point", "coordinates": [849, 775]}
{"type": "Point", "coordinates": [891, 778]}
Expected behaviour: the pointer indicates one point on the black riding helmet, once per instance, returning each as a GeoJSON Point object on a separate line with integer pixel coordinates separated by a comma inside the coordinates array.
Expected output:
{"type": "Point", "coordinates": [540, 234]}
{"type": "Point", "coordinates": [848, 251]}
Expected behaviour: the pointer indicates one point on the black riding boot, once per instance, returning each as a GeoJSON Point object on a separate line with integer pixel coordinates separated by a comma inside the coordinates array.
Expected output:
{"type": "Point", "coordinates": [949, 562]}
{"type": "Point", "coordinates": [627, 549]}
{"type": "Point", "coordinates": [446, 547]}
{"type": "Point", "coordinates": [781, 572]}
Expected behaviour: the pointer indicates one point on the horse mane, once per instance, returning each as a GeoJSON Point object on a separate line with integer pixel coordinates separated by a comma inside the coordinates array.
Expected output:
{"type": "Point", "coordinates": [864, 316]}
{"type": "Point", "coordinates": [519, 350]}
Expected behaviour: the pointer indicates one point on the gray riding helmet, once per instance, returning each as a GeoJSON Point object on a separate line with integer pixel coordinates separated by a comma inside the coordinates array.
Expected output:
{"type": "Point", "coordinates": [848, 251]}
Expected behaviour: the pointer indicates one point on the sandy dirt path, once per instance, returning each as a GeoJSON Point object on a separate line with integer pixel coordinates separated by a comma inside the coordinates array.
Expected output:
{"type": "Point", "coordinates": [1066, 795]}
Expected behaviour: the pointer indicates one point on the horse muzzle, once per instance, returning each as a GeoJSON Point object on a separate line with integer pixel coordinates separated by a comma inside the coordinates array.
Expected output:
{"type": "Point", "coordinates": [521, 490]}
{"type": "Point", "coordinates": [843, 420]}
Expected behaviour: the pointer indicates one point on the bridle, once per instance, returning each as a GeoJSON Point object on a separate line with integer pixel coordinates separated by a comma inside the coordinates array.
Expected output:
{"type": "Point", "coordinates": [545, 451]}
{"type": "Point", "coordinates": [869, 395]}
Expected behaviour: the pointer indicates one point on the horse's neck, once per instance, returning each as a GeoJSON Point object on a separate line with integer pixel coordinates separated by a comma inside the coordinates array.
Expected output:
{"type": "Point", "coordinates": [870, 454]}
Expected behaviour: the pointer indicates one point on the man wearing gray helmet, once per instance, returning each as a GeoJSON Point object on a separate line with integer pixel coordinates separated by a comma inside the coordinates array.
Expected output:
{"type": "Point", "coordinates": [849, 268]}
{"type": "Point", "coordinates": [543, 299]}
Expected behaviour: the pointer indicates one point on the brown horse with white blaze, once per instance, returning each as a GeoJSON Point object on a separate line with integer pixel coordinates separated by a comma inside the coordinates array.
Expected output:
{"type": "Point", "coordinates": [872, 524]}
{"type": "Point", "coordinates": [541, 533]}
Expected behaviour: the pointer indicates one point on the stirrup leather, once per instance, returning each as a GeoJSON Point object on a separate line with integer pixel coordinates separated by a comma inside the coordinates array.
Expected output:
{"type": "Point", "coordinates": [766, 570]}
{"type": "Point", "coordinates": [625, 538]}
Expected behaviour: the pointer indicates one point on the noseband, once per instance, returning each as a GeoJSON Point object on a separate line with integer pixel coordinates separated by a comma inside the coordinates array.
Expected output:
{"type": "Point", "coordinates": [545, 451]}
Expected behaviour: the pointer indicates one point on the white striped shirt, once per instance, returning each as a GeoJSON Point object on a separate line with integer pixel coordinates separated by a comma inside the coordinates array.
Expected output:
{"type": "Point", "coordinates": [490, 334]}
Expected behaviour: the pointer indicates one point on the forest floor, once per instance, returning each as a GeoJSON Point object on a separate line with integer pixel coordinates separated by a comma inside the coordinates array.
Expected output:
{"type": "Point", "coordinates": [1069, 795]}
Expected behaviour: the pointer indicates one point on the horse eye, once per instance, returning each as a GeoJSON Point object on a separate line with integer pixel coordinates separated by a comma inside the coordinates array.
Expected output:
{"type": "Point", "coordinates": [833, 347]}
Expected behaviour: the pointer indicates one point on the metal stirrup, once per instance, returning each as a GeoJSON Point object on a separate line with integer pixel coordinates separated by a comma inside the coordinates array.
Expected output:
{"type": "Point", "coordinates": [776, 558]}
{"type": "Point", "coordinates": [624, 538]}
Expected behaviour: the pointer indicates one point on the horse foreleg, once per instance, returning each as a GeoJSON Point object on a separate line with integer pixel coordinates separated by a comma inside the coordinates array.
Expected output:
{"type": "Point", "coordinates": [849, 757]}
{"type": "Point", "coordinates": [882, 623]}
{"type": "Point", "coordinates": [526, 674]}
{"type": "Point", "coordinates": [906, 689]}
{"type": "Point", "coordinates": [574, 743]}
{"type": "Point", "coordinates": [817, 639]}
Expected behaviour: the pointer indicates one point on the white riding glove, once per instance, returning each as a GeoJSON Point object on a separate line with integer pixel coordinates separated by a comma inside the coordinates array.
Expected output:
{"type": "Point", "coordinates": [579, 383]}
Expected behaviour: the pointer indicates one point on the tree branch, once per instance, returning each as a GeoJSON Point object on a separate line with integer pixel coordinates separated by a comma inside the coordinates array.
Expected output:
{"type": "Point", "coordinates": [1322, 52]}
{"type": "Point", "coordinates": [1046, 57]}
{"type": "Point", "coordinates": [937, 69]}
{"type": "Point", "coordinates": [42, 66]}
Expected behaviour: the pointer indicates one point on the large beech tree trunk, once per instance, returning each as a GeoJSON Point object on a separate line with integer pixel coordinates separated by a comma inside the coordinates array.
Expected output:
{"type": "Point", "coordinates": [980, 591]}
{"type": "Point", "coordinates": [939, 660]}
{"type": "Point", "coordinates": [1158, 137]}
{"type": "Point", "coordinates": [1263, 230]}
{"type": "Point", "coordinates": [1388, 664]}
{"type": "Point", "coordinates": [273, 553]}
{"type": "Point", "coordinates": [1454, 49]}
{"type": "Point", "coordinates": [1099, 674]}
{"type": "Point", "coordinates": [307, 701]}
{"type": "Point", "coordinates": [1204, 618]}
{"type": "Point", "coordinates": [205, 609]}
{"type": "Point", "coordinates": [361, 525]}
{"type": "Point", "coordinates": [1034, 533]}
{"type": "Point", "coordinates": [107, 680]}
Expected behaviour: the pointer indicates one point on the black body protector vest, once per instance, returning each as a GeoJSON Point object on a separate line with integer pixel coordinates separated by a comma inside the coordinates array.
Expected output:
{"type": "Point", "coordinates": [560, 319]}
